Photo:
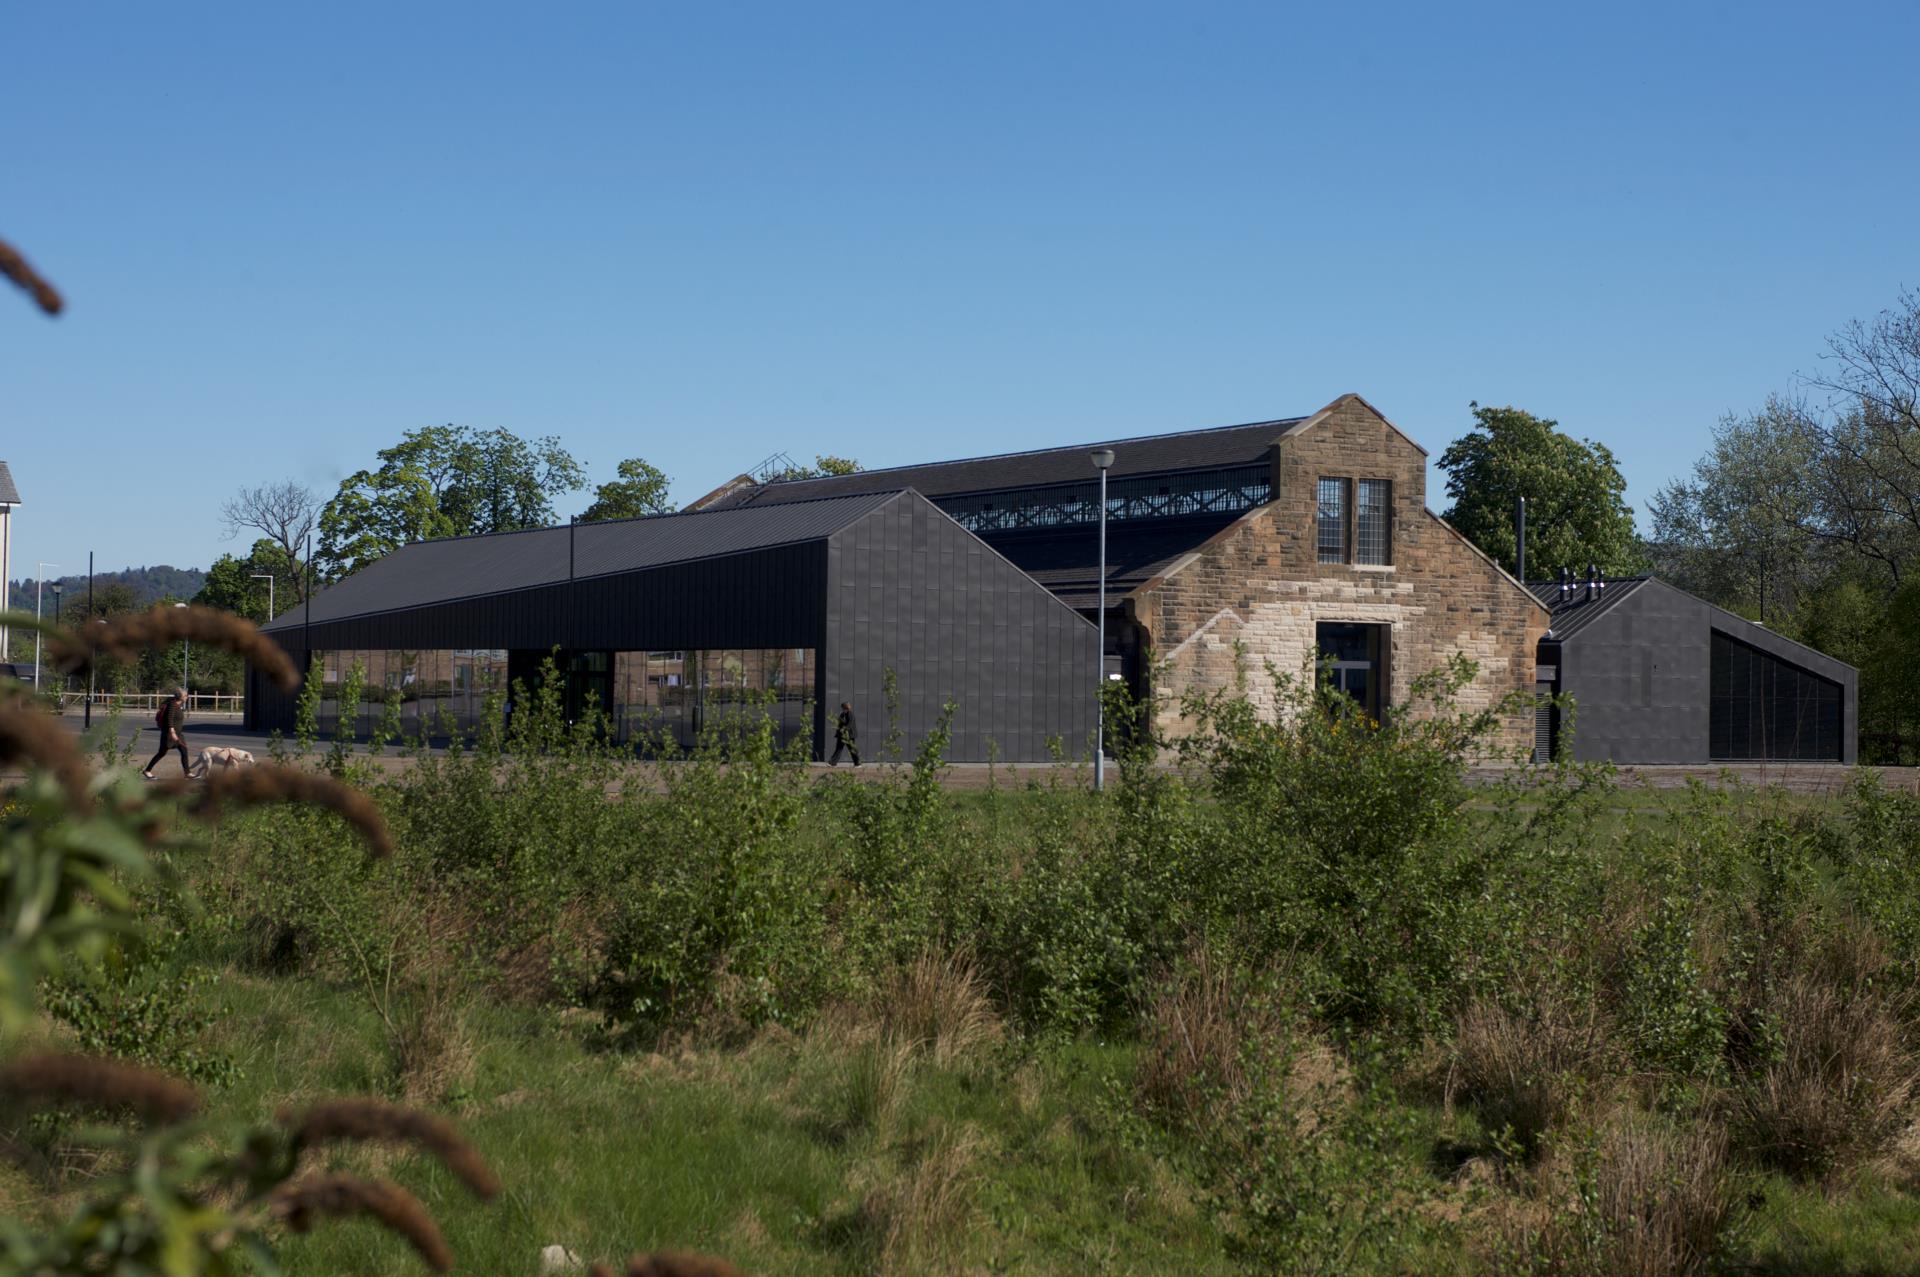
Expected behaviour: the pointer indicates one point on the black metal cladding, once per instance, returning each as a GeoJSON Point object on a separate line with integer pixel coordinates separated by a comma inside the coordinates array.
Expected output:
{"type": "Point", "coordinates": [1637, 662]}
{"type": "Point", "coordinates": [1767, 708]}
{"type": "Point", "coordinates": [911, 591]}
{"type": "Point", "coordinates": [900, 587]}
{"type": "Point", "coordinates": [760, 598]}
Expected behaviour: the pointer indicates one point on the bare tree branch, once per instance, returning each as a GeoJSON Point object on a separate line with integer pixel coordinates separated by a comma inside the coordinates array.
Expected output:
{"type": "Point", "coordinates": [284, 512]}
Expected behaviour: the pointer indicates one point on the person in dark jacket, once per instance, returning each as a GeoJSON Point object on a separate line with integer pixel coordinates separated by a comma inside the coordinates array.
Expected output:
{"type": "Point", "coordinates": [173, 725]}
{"type": "Point", "coordinates": [845, 736]}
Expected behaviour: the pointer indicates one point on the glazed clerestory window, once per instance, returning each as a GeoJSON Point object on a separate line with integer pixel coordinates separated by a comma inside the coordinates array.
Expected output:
{"type": "Point", "coordinates": [1332, 520]}
{"type": "Point", "coordinates": [1373, 531]}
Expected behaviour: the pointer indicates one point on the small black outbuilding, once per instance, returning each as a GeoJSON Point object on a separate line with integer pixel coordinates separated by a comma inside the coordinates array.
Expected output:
{"type": "Point", "coordinates": [662, 621]}
{"type": "Point", "coordinates": [1656, 675]}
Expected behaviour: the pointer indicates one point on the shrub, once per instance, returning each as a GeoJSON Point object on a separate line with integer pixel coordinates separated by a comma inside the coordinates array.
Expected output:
{"type": "Point", "coordinates": [723, 916]}
{"type": "Point", "coordinates": [1196, 1032]}
{"type": "Point", "coordinates": [1651, 1201]}
{"type": "Point", "coordinates": [1637, 1197]}
{"type": "Point", "coordinates": [1673, 1020]}
{"type": "Point", "coordinates": [1833, 1076]}
{"type": "Point", "coordinates": [1306, 1174]}
{"type": "Point", "coordinates": [146, 1007]}
{"type": "Point", "coordinates": [1525, 1071]}
{"type": "Point", "coordinates": [938, 1004]}
{"type": "Point", "coordinates": [1347, 838]}
{"type": "Point", "coordinates": [1296, 1156]}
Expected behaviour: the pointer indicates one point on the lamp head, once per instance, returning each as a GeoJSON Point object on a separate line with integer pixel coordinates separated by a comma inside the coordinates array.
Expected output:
{"type": "Point", "coordinates": [1102, 458]}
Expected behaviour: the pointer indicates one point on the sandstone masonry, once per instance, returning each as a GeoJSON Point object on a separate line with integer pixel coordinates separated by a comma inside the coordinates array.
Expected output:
{"type": "Point", "coordinates": [1255, 592]}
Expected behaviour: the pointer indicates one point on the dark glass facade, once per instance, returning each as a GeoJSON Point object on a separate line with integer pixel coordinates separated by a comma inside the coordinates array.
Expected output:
{"type": "Point", "coordinates": [1764, 708]}
{"type": "Point", "coordinates": [439, 691]}
{"type": "Point", "coordinates": [648, 697]}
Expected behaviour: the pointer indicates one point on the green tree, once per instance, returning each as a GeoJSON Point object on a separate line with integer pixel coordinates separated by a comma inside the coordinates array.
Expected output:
{"type": "Point", "coordinates": [1736, 532]}
{"type": "Point", "coordinates": [231, 585]}
{"type": "Point", "coordinates": [640, 490]}
{"type": "Point", "coordinates": [1889, 664]}
{"type": "Point", "coordinates": [374, 514]}
{"type": "Point", "coordinates": [443, 481]}
{"type": "Point", "coordinates": [110, 598]}
{"type": "Point", "coordinates": [1575, 512]}
{"type": "Point", "coordinates": [822, 467]}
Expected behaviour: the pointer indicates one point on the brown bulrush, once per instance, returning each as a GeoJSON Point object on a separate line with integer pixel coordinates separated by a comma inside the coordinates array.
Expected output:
{"type": "Point", "coordinates": [29, 734]}
{"type": "Point", "coordinates": [670, 1264]}
{"type": "Point", "coordinates": [366, 1119]}
{"type": "Point", "coordinates": [54, 1077]}
{"type": "Point", "coordinates": [302, 1203]}
{"type": "Point", "coordinates": [253, 786]}
{"type": "Point", "coordinates": [123, 638]}
{"type": "Point", "coordinates": [15, 268]}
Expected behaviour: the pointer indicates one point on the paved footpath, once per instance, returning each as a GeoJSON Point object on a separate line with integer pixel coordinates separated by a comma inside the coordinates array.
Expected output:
{"type": "Point", "coordinates": [138, 732]}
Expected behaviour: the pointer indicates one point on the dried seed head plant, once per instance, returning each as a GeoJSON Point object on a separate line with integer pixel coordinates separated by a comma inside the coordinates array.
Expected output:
{"type": "Point", "coordinates": [29, 735]}
{"type": "Point", "coordinates": [123, 638]}
{"type": "Point", "coordinates": [16, 268]}
{"type": "Point", "coordinates": [54, 1077]}
{"type": "Point", "coordinates": [301, 1203]}
{"type": "Point", "coordinates": [185, 1194]}
{"type": "Point", "coordinates": [188, 1194]}
{"type": "Point", "coordinates": [255, 786]}
{"type": "Point", "coordinates": [368, 1119]}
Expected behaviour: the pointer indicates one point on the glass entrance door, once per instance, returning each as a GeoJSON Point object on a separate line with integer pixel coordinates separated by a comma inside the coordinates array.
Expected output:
{"type": "Point", "coordinates": [1352, 661]}
{"type": "Point", "coordinates": [589, 684]}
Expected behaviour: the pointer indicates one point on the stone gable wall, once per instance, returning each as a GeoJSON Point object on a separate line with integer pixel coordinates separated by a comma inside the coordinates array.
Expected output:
{"type": "Point", "coordinates": [1258, 586]}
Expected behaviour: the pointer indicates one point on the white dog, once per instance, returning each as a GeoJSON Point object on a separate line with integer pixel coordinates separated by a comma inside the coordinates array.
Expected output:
{"type": "Point", "coordinates": [219, 757]}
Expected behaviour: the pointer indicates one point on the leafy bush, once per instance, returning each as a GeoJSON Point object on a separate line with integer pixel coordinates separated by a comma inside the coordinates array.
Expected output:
{"type": "Point", "coordinates": [146, 1005]}
{"type": "Point", "coordinates": [1347, 838]}
{"type": "Point", "coordinates": [722, 916]}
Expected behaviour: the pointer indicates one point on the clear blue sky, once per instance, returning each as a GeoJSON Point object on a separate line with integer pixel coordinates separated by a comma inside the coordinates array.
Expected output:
{"type": "Point", "coordinates": [704, 233]}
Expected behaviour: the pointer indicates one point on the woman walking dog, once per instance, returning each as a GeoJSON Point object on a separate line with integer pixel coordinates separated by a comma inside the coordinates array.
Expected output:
{"type": "Point", "coordinates": [172, 722]}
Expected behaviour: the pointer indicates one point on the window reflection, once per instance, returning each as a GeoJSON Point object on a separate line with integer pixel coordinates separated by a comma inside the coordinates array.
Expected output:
{"type": "Point", "coordinates": [438, 691]}
{"type": "Point", "coordinates": [652, 697]}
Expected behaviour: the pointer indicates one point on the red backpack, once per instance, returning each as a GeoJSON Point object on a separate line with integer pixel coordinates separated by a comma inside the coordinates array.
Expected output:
{"type": "Point", "coordinates": [160, 715]}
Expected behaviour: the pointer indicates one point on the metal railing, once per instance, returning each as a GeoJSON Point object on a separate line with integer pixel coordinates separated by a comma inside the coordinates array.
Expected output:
{"type": "Point", "coordinates": [197, 702]}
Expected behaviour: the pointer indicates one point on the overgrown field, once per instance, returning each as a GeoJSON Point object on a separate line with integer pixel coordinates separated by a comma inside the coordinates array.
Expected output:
{"type": "Point", "coordinates": [1309, 1004]}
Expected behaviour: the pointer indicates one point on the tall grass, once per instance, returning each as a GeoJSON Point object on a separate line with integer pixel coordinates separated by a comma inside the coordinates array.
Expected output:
{"type": "Point", "coordinates": [1323, 952]}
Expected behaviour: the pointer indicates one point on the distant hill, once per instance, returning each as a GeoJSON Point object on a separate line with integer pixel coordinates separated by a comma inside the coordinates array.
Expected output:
{"type": "Point", "coordinates": [149, 585]}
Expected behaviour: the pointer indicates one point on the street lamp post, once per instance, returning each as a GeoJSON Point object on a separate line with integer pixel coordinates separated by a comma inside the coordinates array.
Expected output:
{"type": "Point", "coordinates": [1102, 459]}
{"type": "Point", "coordinates": [56, 587]}
{"type": "Point", "coordinates": [268, 578]}
{"type": "Point", "coordinates": [186, 660]}
{"type": "Point", "coordinates": [40, 579]}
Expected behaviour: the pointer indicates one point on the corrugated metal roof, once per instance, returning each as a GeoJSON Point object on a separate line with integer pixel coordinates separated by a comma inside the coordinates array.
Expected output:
{"type": "Point", "coordinates": [470, 567]}
{"type": "Point", "coordinates": [9, 495]}
{"type": "Point", "coordinates": [1149, 454]}
{"type": "Point", "coordinates": [1577, 611]}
